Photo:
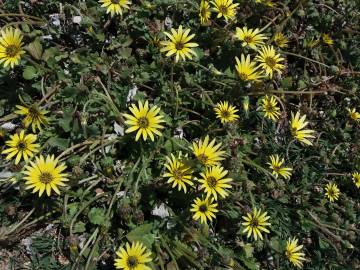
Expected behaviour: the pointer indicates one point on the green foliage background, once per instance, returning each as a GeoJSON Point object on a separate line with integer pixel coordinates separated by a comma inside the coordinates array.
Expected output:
{"type": "Point", "coordinates": [86, 70]}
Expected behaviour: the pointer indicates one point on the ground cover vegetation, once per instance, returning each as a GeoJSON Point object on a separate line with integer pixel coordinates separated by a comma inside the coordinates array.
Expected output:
{"type": "Point", "coordinates": [183, 134]}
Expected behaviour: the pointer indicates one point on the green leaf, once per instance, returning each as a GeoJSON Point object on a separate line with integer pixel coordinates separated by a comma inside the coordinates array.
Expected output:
{"type": "Point", "coordinates": [61, 143]}
{"type": "Point", "coordinates": [97, 216]}
{"type": "Point", "coordinates": [79, 227]}
{"type": "Point", "coordinates": [29, 73]}
{"type": "Point", "coordinates": [35, 49]}
{"type": "Point", "coordinates": [142, 234]}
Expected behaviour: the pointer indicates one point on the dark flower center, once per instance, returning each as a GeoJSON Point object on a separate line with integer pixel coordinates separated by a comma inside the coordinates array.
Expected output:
{"type": "Point", "coordinates": [269, 107]}
{"type": "Point", "coordinates": [243, 76]}
{"type": "Point", "coordinates": [248, 39]}
{"type": "Point", "coordinates": [115, 2]}
{"type": "Point", "coordinates": [211, 181]}
{"type": "Point", "coordinates": [178, 174]}
{"type": "Point", "coordinates": [270, 62]}
{"type": "Point", "coordinates": [143, 122]}
{"type": "Point", "coordinates": [21, 145]}
{"type": "Point", "coordinates": [254, 222]}
{"type": "Point", "coordinates": [223, 9]}
{"type": "Point", "coordinates": [203, 12]}
{"type": "Point", "coordinates": [46, 178]}
{"type": "Point", "coordinates": [203, 158]}
{"type": "Point", "coordinates": [33, 112]}
{"type": "Point", "coordinates": [12, 50]}
{"type": "Point", "coordinates": [179, 46]}
{"type": "Point", "coordinates": [132, 261]}
{"type": "Point", "coordinates": [225, 114]}
{"type": "Point", "coordinates": [203, 208]}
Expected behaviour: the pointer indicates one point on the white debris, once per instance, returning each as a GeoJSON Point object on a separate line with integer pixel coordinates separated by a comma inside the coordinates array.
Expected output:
{"type": "Point", "coordinates": [77, 19]}
{"type": "Point", "coordinates": [132, 93]}
{"type": "Point", "coordinates": [8, 126]}
{"type": "Point", "coordinates": [119, 130]}
{"type": "Point", "coordinates": [160, 211]}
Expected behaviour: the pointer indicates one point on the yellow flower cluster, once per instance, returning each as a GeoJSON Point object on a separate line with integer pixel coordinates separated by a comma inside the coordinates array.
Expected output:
{"type": "Point", "coordinates": [45, 174]}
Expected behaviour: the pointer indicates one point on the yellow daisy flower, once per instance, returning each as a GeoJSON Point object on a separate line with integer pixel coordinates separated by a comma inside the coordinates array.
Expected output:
{"type": "Point", "coordinates": [213, 182]}
{"type": "Point", "coordinates": [225, 112]}
{"type": "Point", "coordinates": [250, 37]}
{"type": "Point", "coordinates": [270, 60]}
{"type": "Point", "coordinates": [293, 253]}
{"type": "Point", "coordinates": [353, 114]}
{"type": "Point", "coordinates": [11, 47]}
{"type": "Point", "coordinates": [270, 108]}
{"type": "Point", "coordinates": [225, 8]}
{"type": "Point", "coordinates": [277, 167]}
{"type": "Point", "coordinates": [179, 44]}
{"type": "Point", "coordinates": [34, 116]}
{"type": "Point", "coordinates": [204, 209]}
{"type": "Point", "coordinates": [246, 104]}
{"type": "Point", "coordinates": [145, 120]}
{"type": "Point", "coordinates": [208, 153]}
{"type": "Point", "coordinates": [45, 175]}
{"type": "Point", "coordinates": [179, 173]}
{"type": "Point", "coordinates": [21, 145]}
{"type": "Point", "coordinates": [332, 192]}
{"type": "Point", "coordinates": [247, 69]}
{"type": "Point", "coordinates": [297, 126]}
{"type": "Point", "coordinates": [115, 6]}
{"type": "Point", "coordinates": [133, 257]}
{"type": "Point", "coordinates": [280, 40]}
{"type": "Point", "coordinates": [356, 179]}
{"type": "Point", "coordinates": [205, 12]}
{"type": "Point", "coordinates": [255, 223]}
{"type": "Point", "coordinates": [327, 39]}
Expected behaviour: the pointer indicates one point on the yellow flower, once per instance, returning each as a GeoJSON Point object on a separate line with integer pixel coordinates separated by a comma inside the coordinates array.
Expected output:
{"type": "Point", "coordinates": [270, 108]}
{"type": "Point", "coordinates": [115, 6]}
{"type": "Point", "coordinates": [293, 253]}
{"type": "Point", "coordinates": [179, 173]}
{"type": "Point", "coordinates": [255, 223]}
{"type": "Point", "coordinates": [179, 44]}
{"type": "Point", "coordinates": [353, 114]}
{"type": "Point", "coordinates": [277, 167]}
{"type": "Point", "coordinates": [11, 47]}
{"type": "Point", "coordinates": [269, 3]}
{"type": "Point", "coordinates": [133, 257]}
{"type": "Point", "coordinates": [332, 192]}
{"type": "Point", "coordinates": [281, 40]}
{"type": "Point", "coordinates": [145, 120]}
{"type": "Point", "coordinates": [45, 174]}
{"type": "Point", "coordinates": [34, 116]}
{"type": "Point", "coordinates": [270, 60]}
{"type": "Point", "coordinates": [327, 39]}
{"type": "Point", "coordinates": [205, 12]}
{"type": "Point", "coordinates": [225, 112]}
{"type": "Point", "coordinates": [208, 153]}
{"type": "Point", "coordinates": [356, 179]}
{"type": "Point", "coordinates": [225, 8]}
{"type": "Point", "coordinates": [246, 69]}
{"type": "Point", "coordinates": [213, 182]}
{"type": "Point", "coordinates": [313, 42]}
{"type": "Point", "coordinates": [21, 145]}
{"type": "Point", "coordinates": [246, 104]}
{"type": "Point", "coordinates": [297, 126]}
{"type": "Point", "coordinates": [204, 209]}
{"type": "Point", "coordinates": [250, 37]}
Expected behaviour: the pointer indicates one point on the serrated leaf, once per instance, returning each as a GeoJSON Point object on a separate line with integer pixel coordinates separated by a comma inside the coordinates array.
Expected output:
{"type": "Point", "coordinates": [61, 143]}
{"type": "Point", "coordinates": [35, 49]}
{"type": "Point", "coordinates": [29, 73]}
{"type": "Point", "coordinates": [79, 227]}
{"type": "Point", "coordinates": [97, 216]}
